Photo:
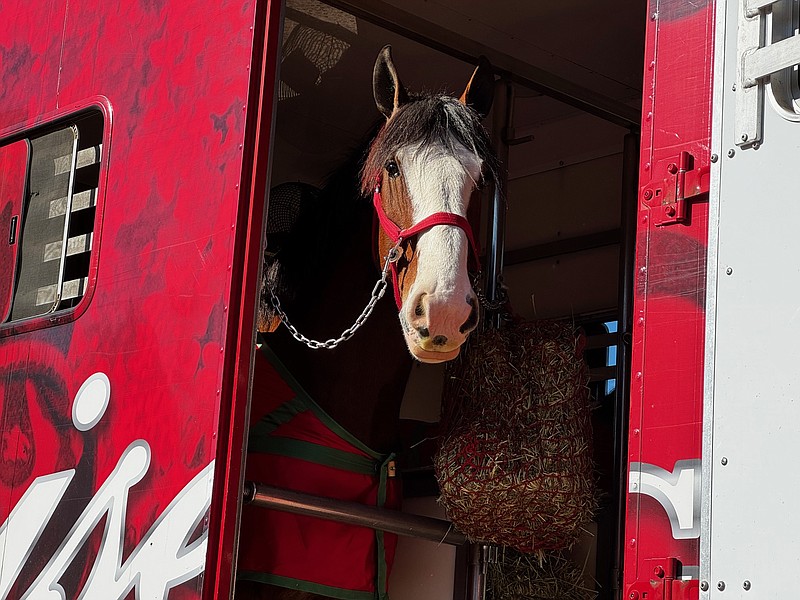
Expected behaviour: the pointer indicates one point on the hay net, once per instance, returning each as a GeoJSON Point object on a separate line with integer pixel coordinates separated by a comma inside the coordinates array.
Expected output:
{"type": "Point", "coordinates": [515, 461]}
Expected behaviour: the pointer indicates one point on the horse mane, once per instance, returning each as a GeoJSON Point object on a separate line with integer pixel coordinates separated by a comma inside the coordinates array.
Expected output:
{"type": "Point", "coordinates": [428, 120]}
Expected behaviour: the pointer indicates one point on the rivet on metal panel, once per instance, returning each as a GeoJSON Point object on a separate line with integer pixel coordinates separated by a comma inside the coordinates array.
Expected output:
{"type": "Point", "coordinates": [744, 137]}
{"type": "Point", "coordinates": [648, 194]}
{"type": "Point", "coordinates": [669, 210]}
{"type": "Point", "coordinates": [731, 153]}
{"type": "Point", "coordinates": [733, 87]}
{"type": "Point", "coordinates": [646, 166]}
{"type": "Point", "coordinates": [654, 16]}
{"type": "Point", "coordinates": [658, 571]}
{"type": "Point", "coordinates": [729, 271]}
{"type": "Point", "coordinates": [632, 543]}
{"type": "Point", "coordinates": [638, 374]}
{"type": "Point", "coordinates": [714, 158]}
{"type": "Point", "coordinates": [636, 432]}
{"type": "Point", "coordinates": [746, 585]}
{"type": "Point", "coordinates": [648, 116]}
{"type": "Point", "coordinates": [645, 219]}
{"type": "Point", "coordinates": [672, 168]}
{"type": "Point", "coordinates": [724, 461]}
{"type": "Point", "coordinates": [704, 586]}
{"type": "Point", "coordinates": [640, 322]}
{"type": "Point", "coordinates": [652, 65]}
{"type": "Point", "coordinates": [634, 595]}
{"type": "Point", "coordinates": [721, 586]}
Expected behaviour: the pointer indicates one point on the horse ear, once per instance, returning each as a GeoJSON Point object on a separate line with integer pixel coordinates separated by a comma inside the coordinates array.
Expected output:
{"type": "Point", "coordinates": [480, 90]}
{"type": "Point", "coordinates": [388, 91]}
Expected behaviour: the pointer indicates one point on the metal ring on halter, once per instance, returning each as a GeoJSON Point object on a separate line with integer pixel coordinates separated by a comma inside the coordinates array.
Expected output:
{"type": "Point", "coordinates": [395, 252]}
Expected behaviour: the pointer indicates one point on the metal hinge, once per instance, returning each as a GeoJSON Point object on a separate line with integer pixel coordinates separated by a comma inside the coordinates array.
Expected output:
{"type": "Point", "coordinates": [681, 181]}
{"type": "Point", "coordinates": [760, 54]}
{"type": "Point", "coordinates": [665, 582]}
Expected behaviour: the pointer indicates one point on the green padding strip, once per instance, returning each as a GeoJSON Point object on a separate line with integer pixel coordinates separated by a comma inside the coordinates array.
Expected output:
{"type": "Point", "coordinates": [282, 370]}
{"type": "Point", "coordinates": [314, 453]}
{"type": "Point", "coordinates": [305, 586]}
{"type": "Point", "coordinates": [303, 396]}
{"type": "Point", "coordinates": [380, 583]}
{"type": "Point", "coordinates": [383, 477]}
{"type": "Point", "coordinates": [280, 416]}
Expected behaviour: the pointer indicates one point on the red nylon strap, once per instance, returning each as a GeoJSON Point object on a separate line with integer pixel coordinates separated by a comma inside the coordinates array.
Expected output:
{"type": "Point", "coordinates": [397, 235]}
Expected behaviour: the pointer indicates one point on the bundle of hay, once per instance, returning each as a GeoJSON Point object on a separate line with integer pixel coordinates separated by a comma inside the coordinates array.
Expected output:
{"type": "Point", "coordinates": [539, 576]}
{"type": "Point", "coordinates": [514, 465]}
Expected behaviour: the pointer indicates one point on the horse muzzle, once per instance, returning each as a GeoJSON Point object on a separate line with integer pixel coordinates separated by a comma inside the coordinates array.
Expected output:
{"type": "Point", "coordinates": [435, 329]}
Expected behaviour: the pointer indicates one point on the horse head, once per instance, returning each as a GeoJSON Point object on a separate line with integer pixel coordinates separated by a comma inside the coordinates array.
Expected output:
{"type": "Point", "coordinates": [422, 169]}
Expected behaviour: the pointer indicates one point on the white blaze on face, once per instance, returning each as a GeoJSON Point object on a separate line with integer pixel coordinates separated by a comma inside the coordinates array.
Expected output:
{"type": "Point", "coordinates": [438, 182]}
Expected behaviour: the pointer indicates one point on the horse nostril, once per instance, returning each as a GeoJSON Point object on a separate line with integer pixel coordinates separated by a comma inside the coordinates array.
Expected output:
{"type": "Point", "coordinates": [424, 332]}
{"type": "Point", "coordinates": [472, 319]}
{"type": "Point", "coordinates": [440, 340]}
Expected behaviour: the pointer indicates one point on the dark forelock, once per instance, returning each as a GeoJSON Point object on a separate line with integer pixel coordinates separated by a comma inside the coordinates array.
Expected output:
{"type": "Point", "coordinates": [425, 121]}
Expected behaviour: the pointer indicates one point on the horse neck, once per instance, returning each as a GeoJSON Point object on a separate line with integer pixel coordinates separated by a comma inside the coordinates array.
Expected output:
{"type": "Point", "coordinates": [361, 382]}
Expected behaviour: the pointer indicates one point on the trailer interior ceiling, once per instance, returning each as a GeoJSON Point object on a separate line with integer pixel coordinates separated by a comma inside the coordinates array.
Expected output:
{"type": "Point", "coordinates": [570, 90]}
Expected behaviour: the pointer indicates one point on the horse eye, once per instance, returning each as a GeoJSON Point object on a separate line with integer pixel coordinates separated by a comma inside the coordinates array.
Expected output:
{"type": "Point", "coordinates": [392, 169]}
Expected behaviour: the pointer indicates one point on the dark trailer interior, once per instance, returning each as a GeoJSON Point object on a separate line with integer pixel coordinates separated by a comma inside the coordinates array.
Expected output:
{"type": "Point", "coordinates": [565, 123]}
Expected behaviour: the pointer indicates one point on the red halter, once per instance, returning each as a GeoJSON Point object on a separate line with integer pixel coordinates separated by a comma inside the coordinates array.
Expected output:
{"type": "Point", "coordinates": [398, 235]}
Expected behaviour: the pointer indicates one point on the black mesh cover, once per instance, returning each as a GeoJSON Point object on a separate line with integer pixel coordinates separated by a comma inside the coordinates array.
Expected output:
{"type": "Point", "coordinates": [286, 202]}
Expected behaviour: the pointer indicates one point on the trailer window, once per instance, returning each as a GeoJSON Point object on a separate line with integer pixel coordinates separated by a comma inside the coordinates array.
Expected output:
{"type": "Point", "coordinates": [601, 356]}
{"type": "Point", "coordinates": [611, 357]}
{"type": "Point", "coordinates": [50, 180]}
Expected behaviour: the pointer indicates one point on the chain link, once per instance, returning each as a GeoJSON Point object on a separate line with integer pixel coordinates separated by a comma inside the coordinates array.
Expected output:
{"type": "Point", "coordinates": [377, 293]}
{"type": "Point", "coordinates": [498, 303]}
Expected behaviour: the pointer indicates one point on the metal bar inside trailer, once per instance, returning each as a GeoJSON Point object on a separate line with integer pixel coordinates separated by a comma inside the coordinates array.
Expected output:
{"type": "Point", "coordinates": [352, 513]}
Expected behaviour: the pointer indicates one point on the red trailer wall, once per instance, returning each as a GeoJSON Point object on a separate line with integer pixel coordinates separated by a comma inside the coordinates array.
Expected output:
{"type": "Point", "coordinates": [669, 312]}
{"type": "Point", "coordinates": [170, 317]}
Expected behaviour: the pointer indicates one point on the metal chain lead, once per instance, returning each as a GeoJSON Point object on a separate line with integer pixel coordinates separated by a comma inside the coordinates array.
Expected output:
{"type": "Point", "coordinates": [377, 293]}
{"type": "Point", "coordinates": [500, 302]}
